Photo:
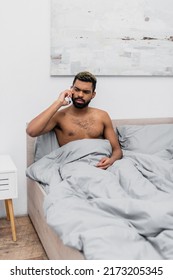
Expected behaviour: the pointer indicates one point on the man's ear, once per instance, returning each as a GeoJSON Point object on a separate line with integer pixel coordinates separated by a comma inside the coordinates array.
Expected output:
{"type": "Point", "coordinates": [93, 94]}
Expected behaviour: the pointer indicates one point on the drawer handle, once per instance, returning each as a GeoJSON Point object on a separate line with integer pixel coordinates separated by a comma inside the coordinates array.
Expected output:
{"type": "Point", "coordinates": [4, 179]}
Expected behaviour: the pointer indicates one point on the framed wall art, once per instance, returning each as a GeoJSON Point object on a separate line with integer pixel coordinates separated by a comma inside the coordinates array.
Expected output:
{"type": "Point", "coordinates": [111, 37]}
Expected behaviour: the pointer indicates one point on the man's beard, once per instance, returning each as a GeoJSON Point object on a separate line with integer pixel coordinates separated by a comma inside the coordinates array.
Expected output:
{"type": "Point", "coordinates": [80, 105]}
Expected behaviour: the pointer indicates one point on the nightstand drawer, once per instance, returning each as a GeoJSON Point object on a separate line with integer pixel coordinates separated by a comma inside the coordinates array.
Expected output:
{"type": "Point", "coordinates": [8, 185]}
{"type": "Point", "coordinates": [4, 183]}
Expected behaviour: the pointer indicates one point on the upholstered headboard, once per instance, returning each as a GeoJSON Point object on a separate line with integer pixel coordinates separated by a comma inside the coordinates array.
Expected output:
{"type": "Point", "coordinates": [144, 121]}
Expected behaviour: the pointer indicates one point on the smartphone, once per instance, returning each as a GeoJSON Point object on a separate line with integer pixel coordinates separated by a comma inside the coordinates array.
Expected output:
{"type": "Point", "coordinates": [68, 99]}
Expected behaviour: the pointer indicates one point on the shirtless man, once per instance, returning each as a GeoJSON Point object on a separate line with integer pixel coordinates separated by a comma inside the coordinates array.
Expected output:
{"type": "Point", "coordinates": [77, 121]}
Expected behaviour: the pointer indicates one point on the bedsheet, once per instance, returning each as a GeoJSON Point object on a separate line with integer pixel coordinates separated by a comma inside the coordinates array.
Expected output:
{"type": "Point", "coordinates": [124, 212]}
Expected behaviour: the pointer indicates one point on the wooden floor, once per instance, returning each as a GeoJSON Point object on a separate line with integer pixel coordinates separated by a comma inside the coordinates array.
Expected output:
{"type": "Point", "coordinates": [27, 246]}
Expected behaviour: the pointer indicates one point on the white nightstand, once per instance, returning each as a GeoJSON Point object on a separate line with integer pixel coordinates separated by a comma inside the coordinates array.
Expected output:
{"type": "Point", "coordinates": [8, 188]}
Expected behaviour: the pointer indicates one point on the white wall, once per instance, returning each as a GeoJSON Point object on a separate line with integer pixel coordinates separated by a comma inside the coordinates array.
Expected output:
{"type": "Point", "coordinates": [26, 87]}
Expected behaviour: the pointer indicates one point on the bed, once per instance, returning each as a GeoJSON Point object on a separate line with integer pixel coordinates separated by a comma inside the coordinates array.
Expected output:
{"type": "Point", "coordinates": [36, 194]}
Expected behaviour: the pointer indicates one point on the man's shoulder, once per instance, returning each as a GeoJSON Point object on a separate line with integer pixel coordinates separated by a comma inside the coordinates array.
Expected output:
{"type": "Point", "coordinates": [100, 112]}
{"type": "Point", "coordinates": [62, 112]}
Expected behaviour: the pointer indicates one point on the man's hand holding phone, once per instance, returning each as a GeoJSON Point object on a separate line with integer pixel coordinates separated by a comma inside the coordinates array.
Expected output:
{"type": "Point", "coordinates": [65, 97]}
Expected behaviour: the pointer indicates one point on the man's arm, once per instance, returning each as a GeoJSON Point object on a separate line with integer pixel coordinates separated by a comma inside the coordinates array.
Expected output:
{"type": "Point", "coordinates": [46, 120]}
{"type": "Point", "coordinates": [110, 135]}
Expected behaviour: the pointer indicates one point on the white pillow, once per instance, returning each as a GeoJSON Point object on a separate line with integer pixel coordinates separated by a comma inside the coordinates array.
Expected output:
{"type": "Point", "coordinates": [145, 138]}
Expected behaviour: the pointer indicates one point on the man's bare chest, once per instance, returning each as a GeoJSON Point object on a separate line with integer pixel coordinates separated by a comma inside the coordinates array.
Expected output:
{"type": "Point", "coordinates": [82, 127]}
{"type": "Point", "coordinates": [83, 124]}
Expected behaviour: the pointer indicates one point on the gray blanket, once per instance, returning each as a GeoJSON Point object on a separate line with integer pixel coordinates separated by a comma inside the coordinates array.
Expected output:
{"type": "Point", "coordinates": [124, 212]}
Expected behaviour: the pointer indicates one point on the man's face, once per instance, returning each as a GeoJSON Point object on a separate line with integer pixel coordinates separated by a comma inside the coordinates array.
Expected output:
{"type": "Point", "coordinates": [82, 93]}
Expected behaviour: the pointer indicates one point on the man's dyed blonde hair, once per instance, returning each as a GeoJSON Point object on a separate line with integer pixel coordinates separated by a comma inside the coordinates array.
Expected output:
{"type": "Point", "coordinates": [86, 77]}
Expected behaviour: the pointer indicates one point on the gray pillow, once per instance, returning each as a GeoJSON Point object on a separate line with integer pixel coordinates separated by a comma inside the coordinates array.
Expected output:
{"type": "Point", "coordinates": [148, 139]}
{"type": "Point", "coordinates": [45, 144]}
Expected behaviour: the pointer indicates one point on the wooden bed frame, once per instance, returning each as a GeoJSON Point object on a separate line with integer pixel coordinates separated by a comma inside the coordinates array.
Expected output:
{"type": "Point", "coordinates": [52, 244]}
